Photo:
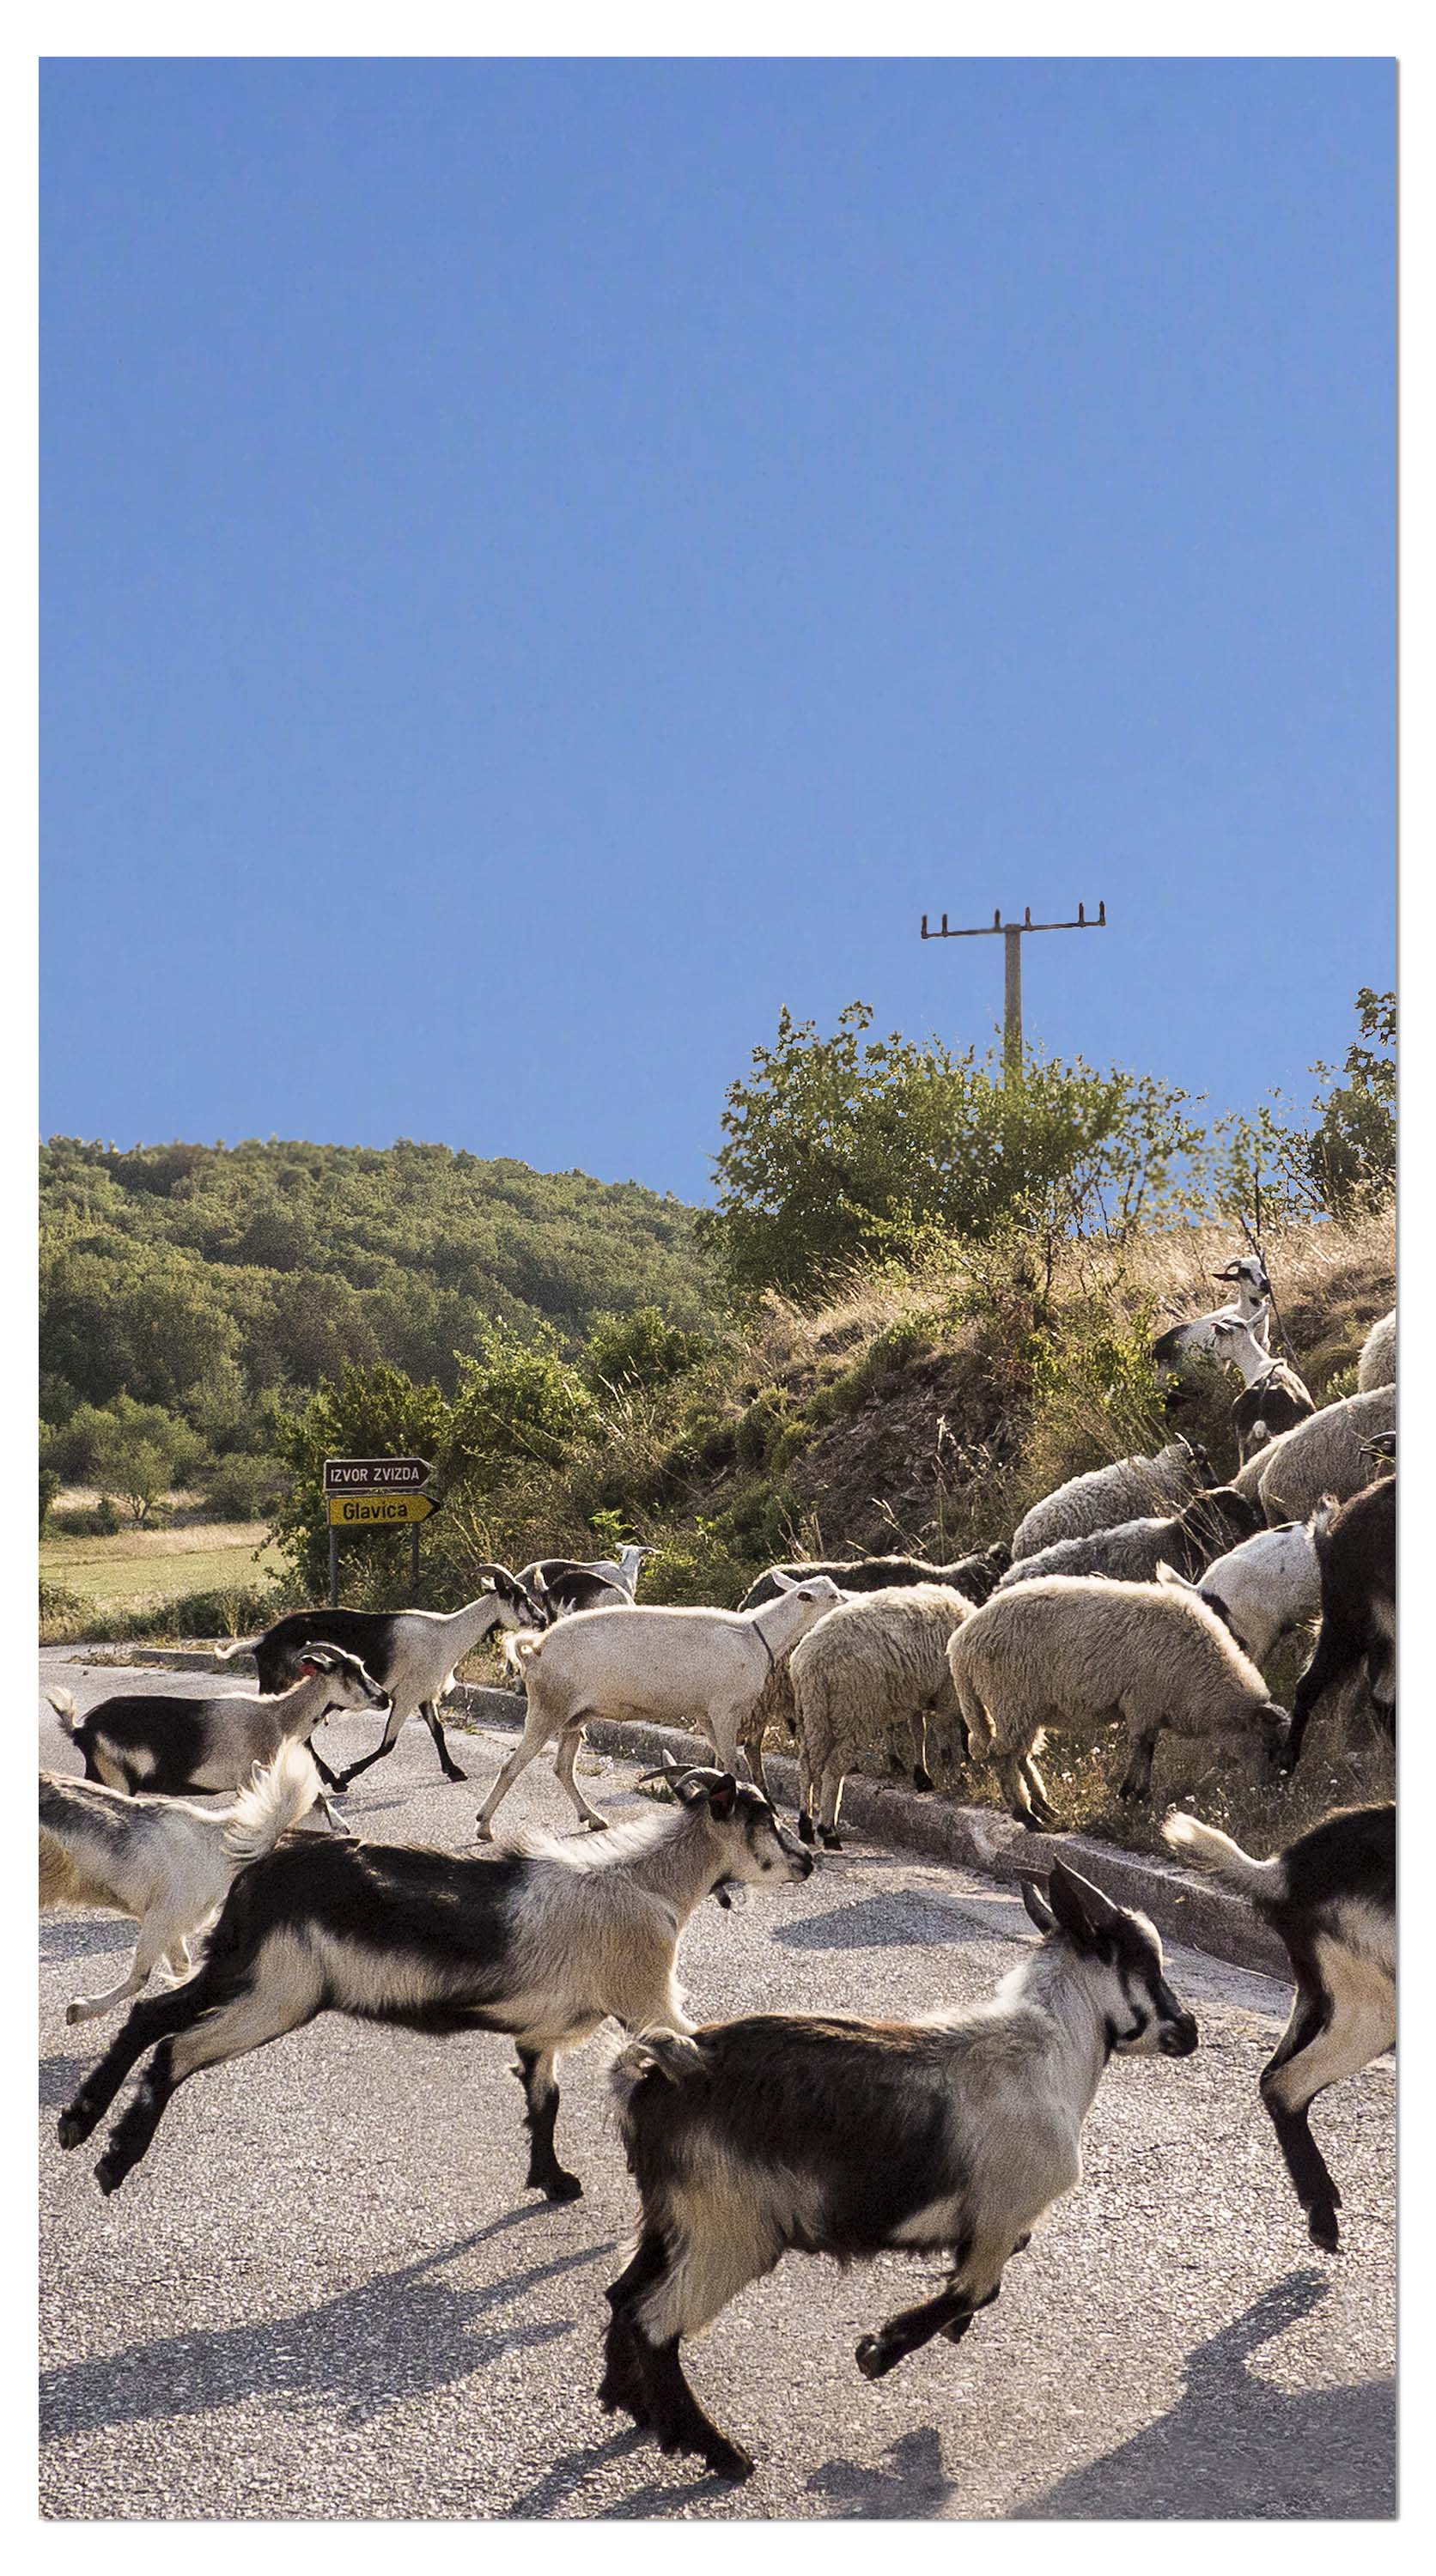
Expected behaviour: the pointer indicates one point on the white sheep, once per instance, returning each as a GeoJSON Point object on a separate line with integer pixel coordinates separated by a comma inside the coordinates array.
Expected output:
{"type": "Point", "coordinates": [1269, 1585]}
{"type": "Point", "coordinates": [1125, 1491]}
{"type": "Point", "coordinates": [1377, 1364]}
{"type": "Point", "coordinates": [1074, 1649]}
{"type": "Point", "coordinates": [701, 1669]}
{"type": "Point", "coordinates": [1332, 1453]}
{"type": "Point", "coordinates": [873, 1663]}
{"type": "Point", "coordinates": [1132, 1552]}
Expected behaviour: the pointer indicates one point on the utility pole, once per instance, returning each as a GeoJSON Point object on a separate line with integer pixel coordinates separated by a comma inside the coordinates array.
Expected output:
{"type": "Point", "coordinates": [1012, 934]}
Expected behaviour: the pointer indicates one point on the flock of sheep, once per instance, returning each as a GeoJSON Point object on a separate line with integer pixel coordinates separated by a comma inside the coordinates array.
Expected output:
{"type": "Point", "coordinates": [1141, 1593]}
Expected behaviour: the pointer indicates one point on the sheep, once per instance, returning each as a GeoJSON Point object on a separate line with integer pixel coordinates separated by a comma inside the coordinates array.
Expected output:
{"type": "Point", "coordinates": [413, 1653]}
{"type": "Point", "coordinates": [1331, 1897]}
{"type": "Point", "coordinates": [824, 2134]}
{"type": "Point", "coordinates": [1072, 1649]}
{"type": "Point", "coordinates": [974, 1576]}
{"type": "Point", "coordinates": [176, 1748]}
{"type": "Point", "coordinates": [1109, 1495]}
{"type": "Point", "coordinates": [166, 1861]}
{"type": "Point", "coordinates": [1179, 1352]}
{"type": "Point", "coordinates": [876, 1662]}
{"type": "Point", "coordinates": [1356, 1553]}
{"type": "Point", "coordinates": [1269, 1585]}
{"type": "Point", "coordinates": [1273, 1398]}
{"type": "Point", "coordinates": [703, 1669]}
{"type": "Point", "coordinates": [1377, 1364]}
{"type": "Point", "coordinates": [1330, 1454]}
{"type": "Point", "coordinates": [544, 1943]}
{"type": "Point", "coordinates": [1132, 1552]}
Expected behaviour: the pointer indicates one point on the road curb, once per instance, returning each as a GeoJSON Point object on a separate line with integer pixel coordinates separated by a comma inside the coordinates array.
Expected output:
{"type": "Point", "coordinates": [1183, 1906]}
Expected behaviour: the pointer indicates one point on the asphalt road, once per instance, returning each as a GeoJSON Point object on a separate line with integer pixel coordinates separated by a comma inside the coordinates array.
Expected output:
{"type": "Point", "coordinates": [327, 2294]}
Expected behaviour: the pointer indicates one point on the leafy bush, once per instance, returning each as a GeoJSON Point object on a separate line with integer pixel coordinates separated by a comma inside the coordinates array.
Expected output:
{"type": "Point", "coordinates": [242, 1487]}
{"type": "Point", "coordinates": [49, 1488]}
{"type": "Point", "coordinates": [643, 1349]}
{"type": "Point", "coordinates": [87, 1520]}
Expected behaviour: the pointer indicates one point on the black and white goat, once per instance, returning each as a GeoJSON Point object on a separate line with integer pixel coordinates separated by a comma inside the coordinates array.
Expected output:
{"type": "Point", "coordinates": [167, 1861]}
{"type": "Point", "coordinates": [822, 2135]}
{"type": "Point", "coordinates": [544, 1943]}
{"type": "Point", "coordinates": [181, 1747]}
{"type": "Point", "coordinates": [1273, 1398]}
{"type": "Point", "coordinates": [1331, 1898]}
{"type": "Point", "coordinates": [975, 1577]}
{"type": "Point", "coordinates": [573, 1583]}
{"type": "Point", "coordinates": [1356, 1554]}
{"type": "Point", "coordinates": [414, 1654]}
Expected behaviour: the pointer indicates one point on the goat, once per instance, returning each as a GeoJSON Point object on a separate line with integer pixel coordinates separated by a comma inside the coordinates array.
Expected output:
{"type": "Point", "coordinates": [177, 1748]}
{"type": "Point", "coordinates": [574, 1587]}
{"type": "Point", "coordinates": [1273, 1398]}
{"type": "Point", "coordinates": [703, 1669]}
{"type": "Point", "coordinates": [824, 2135]}
{"type": "Point", "coordinates": [622, 1574]}
{"type": "Point", "coordinates": [544, 1944]}
{"type": "Point", "coordinates": [1356, 1555]}
{"type": "Point", "coordinates": [974, 1576]}
{"type": "Point", "coordinates": [413, 1653]}
{"type": "Point", "coordinates": [1269, 1585]}
{"type": "Point", "coordinates": [1331, 1898]}
{"type": "Point", "coordinates": [166, 1861]}
{"type": "Point", "coordinates": [1180, 1351]}
{"type": "Point", "coordinates": [1132, 1551]}
{"type": "Point", "coordinates": [1079, 1649]}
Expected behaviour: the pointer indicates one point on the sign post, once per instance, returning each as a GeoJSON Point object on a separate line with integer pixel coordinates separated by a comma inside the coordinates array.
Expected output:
{"type": "Point", "coordinates": [375, 1493]}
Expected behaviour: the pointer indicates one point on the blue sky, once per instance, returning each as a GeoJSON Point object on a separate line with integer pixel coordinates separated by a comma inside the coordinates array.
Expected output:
{"type": "Point", "coordinates": [546, 563]}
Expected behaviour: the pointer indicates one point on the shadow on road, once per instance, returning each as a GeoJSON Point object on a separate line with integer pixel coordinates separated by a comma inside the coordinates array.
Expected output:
{"type": "Point", "coordinates": [881, 1923]}
{"type": "Point", "coordinates": [394, 2337]}
{"type": "Point", "coordinates": [916, 2484]}
{"type": "Point", "coordinates": [1236, 2448]}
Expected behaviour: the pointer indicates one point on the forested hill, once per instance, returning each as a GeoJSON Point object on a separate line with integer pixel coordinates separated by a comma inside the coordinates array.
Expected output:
{"type": "Point", "coordinates": [177, 1267]}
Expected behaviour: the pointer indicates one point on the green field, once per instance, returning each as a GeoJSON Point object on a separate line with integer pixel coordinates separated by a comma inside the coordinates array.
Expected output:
{"type": "Point", "coordinates": [162, 1565]}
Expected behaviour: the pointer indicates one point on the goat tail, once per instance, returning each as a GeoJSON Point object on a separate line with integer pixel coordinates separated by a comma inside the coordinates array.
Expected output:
{"type": "Point", "coordinates": [280, 1794]}
{"type": "Point", "coordinates": [236, 1646]}
{"type": "Point", "coordinates": [63, 1704]}
{"type": "Point", "coordinates": [668, 2053]}
{"type": "Point", "coordinates": [522, 1646]}
{"type": "Point", "coordinates": [1216, 1851]}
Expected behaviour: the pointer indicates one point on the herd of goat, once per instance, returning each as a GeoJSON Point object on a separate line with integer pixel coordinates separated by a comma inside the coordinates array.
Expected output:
{"type": "Point", "coordinates": [1140, 1593]}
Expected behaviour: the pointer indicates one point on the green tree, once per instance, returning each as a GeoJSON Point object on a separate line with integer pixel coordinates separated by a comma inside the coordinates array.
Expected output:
{"type": "Point", "coordinates": [49, 1488]}
{"type": "Point", "coordinates": [640, 1350]}
{"type": "Point", "coordinates": [846, 1149]}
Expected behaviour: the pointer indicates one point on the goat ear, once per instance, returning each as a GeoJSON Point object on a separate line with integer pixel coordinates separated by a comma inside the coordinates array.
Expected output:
{"type": "Point", "coordinates": [1037, 1906]}
{"type": "Point", "coordinates": [1080, 1908]}
{"type": "Point", "coordinates": [784, 1582]}
{"type": "Point", "coordinates": [308, 1669]}
{"type": "Point", "coordinates": [722, 1797]}
{"type": "Point", "coordinates": [1168, 1574]}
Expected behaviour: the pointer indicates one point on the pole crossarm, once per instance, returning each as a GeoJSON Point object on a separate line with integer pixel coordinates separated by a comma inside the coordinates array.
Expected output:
{"type": "Point", "coordinates": [990, 929]}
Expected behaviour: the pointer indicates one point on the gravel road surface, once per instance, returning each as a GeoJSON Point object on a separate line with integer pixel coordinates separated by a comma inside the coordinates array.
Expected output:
{"type": "Point", "coordinates": [327, 2294]}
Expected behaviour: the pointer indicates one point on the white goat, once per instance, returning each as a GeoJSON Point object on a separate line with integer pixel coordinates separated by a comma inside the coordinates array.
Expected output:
{"type": "Point", "coordinates": [701, 1669]}
{"type": "Point", "coordinates": [1377, 1364]}
{"type": "Point", "coordinates": [1185, 1346]}
{"type": "Point", "coordinates": [166, 1861]}
{"type": "Point", "coordinates": [1269, 1585]}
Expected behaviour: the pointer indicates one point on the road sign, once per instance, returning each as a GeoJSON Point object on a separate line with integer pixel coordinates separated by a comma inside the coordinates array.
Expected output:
{"type": "Point", "coordinates": [376, 1476]}
{"type": "Point", "coordinates": [378, 1511]}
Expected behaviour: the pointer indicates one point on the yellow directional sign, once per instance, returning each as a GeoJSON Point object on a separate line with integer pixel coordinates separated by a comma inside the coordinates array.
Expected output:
{"type": "Point", "coordinates": [378, 1511]}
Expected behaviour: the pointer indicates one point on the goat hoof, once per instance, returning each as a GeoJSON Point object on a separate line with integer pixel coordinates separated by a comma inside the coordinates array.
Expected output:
{"type": "Point", "coordinates": [454, 1774]}
{"type": "Point", "coordinates": [71, 2129]}
{"type": "Point", "coordinates": [831, 1841]}
{"type": "Point", "coordinates": [873, 2357]}
{"type": "Point", "coordinates": [727, 2461]}
{"type": "Point", "coordinates": [73, 2013]}
{"type": "Point", "coordinates": [561, 2186]}
{"type": "Point", "coordinates": [805, 1830]}
{"type": "Point", "coordinates": [1323, 2229]}
{"type": "Point", "coordinates": [596, 1824]}
{"type": "Point", "coordinates": [921, 1779]}
{"type": "Point", "coordinates": [109, 2175]}
{"type": "Point", "coordinates": [483, 1833]}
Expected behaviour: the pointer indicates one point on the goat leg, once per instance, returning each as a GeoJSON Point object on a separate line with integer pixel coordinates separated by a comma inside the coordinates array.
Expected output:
{"type": "Point", "coordinates": [428, 1710]}
{"type": "Point", "coordinates": [950, 2313]}
{"type": "Point", "coordinates": [535, 2072]}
